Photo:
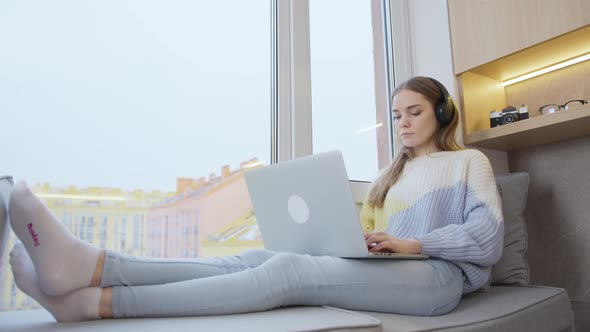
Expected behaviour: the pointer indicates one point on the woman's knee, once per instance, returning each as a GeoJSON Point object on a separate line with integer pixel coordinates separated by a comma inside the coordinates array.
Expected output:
{"type": "Point", "coordinates": [444, 302]}
{"type": "Point", "coordinates": [436, 290]}
{"type": "Point", "coordinates": [294, 268]}
{"type": "Point", "coordinates": [421, 301]}
{"type": "Point", "coordinates": [447, 288]}
{"type": "Point", "coordinates": [283, 279]}
{"type": "Point", "coordinates": [287, 260]}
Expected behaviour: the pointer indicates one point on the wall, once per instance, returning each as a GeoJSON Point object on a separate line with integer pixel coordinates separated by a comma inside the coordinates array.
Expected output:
{"type": "Point", "coordinates": [431, 42]}
{"type": "Point", "coordinates": [558, 218]}
{"type": "Point", "coordinates": [431, 55]}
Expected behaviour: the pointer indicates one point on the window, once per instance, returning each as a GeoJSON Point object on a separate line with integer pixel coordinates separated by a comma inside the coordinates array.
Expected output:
{"type": "Point", "coordinates": [136, 232]}
{"type": "Point", "coordinates": [103, 231]}
{"type": "Point", "coordinates": [155, 116]}
{"type": "Point", "coordinates": [81, 234]}
{"type": "Point", "coordinates": [132, 105]}
{"type": "Point", "coordinates": [344, 109]}
{"type": "Point", "coordinates": [89, 230]}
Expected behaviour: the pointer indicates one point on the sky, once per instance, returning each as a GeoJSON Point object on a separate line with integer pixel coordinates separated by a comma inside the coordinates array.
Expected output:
{"type": "Point", "coordinates": [132, 94]}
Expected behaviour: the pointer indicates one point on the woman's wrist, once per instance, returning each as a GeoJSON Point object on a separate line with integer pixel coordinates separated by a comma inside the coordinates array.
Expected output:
{"type": "Point", "coordinates": [416, 246]}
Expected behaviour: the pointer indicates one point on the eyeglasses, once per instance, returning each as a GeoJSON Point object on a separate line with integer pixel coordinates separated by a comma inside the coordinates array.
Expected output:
{"type": "Point", "coordinates": [552, 108]}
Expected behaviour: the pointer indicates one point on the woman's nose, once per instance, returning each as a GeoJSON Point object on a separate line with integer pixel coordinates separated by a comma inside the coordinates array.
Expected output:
{"type": "Point", "coordinates": [402, 122]}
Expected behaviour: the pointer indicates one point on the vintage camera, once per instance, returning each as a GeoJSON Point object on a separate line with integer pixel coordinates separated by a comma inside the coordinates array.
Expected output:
{"type": "Point", "coordinates": [523, 112]}
{"type": "Point", "coordinates": [495, 118]}
{"type": "Point", "coordinates": [508, 115]}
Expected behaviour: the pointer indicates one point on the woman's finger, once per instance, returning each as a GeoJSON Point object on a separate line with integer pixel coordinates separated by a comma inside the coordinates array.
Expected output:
{"type": "Point", "coordinates": [378, 238]}
{"type": "Point", "coordinates": [381, 247]}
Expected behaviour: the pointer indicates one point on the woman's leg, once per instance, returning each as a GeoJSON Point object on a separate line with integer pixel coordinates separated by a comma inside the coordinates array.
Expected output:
{"type": "Point", "coordinates": [123, 270]}
{"type": "Point", "coordinates": [64, 262]}
{"type": "Point", "coordinates": [424, 288]}
{"type": "Point", "coordinates": [430, 287]}
{"type": "Point", "coordinates": [93, 303]}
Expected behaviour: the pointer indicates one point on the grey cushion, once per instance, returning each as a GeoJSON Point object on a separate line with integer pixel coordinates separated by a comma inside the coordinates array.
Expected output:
{"type": "Point", "coordinates": [502, 308]}
{"type": "Point", "coordinates": [284, 319]}
{"type": "Point", "coordinates": [512, 269]}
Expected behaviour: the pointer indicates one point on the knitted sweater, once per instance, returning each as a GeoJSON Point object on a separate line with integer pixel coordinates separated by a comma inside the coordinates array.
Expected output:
{"type": "Point", "coordinates": [450, 203]}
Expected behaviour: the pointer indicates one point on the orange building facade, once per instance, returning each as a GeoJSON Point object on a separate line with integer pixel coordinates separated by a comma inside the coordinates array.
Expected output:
{"type": "Point", "coordinates": [203, 218]}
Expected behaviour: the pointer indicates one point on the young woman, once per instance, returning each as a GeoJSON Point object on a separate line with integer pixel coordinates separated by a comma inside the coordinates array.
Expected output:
{"type": "Point", "coordinates": [434, 199]}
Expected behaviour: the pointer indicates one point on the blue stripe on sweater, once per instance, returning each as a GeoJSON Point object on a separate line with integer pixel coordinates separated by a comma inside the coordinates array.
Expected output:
{"type": "Point", "coordinates": [460, 223]}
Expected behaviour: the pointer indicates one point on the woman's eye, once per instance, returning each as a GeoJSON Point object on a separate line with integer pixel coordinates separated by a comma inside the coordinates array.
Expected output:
{"type": "Point", "coordinates": [416, 114]}
{"type": "Point", "coordinates": [397, 117]}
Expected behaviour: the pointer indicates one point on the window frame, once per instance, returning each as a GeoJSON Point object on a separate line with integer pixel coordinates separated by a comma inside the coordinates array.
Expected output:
{"type": "Point", "coordinates": [291, 112]}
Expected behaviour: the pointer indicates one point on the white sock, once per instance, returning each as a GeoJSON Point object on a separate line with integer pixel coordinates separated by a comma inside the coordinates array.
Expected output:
{"type": "Point", "coordinates": [62, 261]}
{"type": "Point", "coordinates": [78, 305]}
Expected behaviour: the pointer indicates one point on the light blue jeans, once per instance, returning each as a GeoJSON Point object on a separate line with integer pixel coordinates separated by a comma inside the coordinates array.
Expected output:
{"type": "Point", "coordinates": [258, 280]}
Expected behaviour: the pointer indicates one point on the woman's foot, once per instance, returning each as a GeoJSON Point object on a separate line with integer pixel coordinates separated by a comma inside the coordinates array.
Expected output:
{"type": "Point", "coordinates": [62, 261]}
{"type": "Point", "coordinates": [78, 305]}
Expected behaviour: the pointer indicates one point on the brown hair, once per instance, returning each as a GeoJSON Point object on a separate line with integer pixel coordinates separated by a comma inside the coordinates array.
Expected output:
{"type": "Point", "coordinates": [444, 136]}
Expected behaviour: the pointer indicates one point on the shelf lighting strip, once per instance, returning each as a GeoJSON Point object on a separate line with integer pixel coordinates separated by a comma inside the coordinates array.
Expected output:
{"type": "Point", "coordinates": [548, 69]}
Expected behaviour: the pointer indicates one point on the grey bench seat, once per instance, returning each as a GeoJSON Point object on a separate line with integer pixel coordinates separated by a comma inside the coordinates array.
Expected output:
{"type": "Point", "coordinates": [503, 308]}
{"type": "Point", "coordinates": [282, 319]}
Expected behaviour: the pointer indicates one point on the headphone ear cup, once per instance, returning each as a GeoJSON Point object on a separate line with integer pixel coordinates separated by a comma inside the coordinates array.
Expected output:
{"type": "Point", "coordinates": [445, 111]}
{"type": "Point", "coordinates": [439, 112]}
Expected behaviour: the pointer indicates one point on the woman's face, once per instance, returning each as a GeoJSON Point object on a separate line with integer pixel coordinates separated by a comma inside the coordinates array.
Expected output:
{"type": "Point", "coordinates": [415, 121]}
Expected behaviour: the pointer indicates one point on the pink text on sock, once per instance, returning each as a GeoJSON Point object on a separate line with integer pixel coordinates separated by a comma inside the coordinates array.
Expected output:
{"type": "Point", "coordinates": [34, 235]}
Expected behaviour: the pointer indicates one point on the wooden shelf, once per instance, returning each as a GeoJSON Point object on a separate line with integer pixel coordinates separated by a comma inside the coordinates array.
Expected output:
{"type": "Point", "coordinates": [535, 131]}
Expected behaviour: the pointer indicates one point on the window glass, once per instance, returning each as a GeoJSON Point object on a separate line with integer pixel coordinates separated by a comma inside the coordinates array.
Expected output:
{"type": "Point", "coordinates": [135, 120]}
{"type": "Point", "coordinates": [343, 84]}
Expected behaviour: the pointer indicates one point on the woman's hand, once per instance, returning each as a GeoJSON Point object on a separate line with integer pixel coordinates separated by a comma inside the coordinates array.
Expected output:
{"type": "Point", "coordinates": [381, 241]}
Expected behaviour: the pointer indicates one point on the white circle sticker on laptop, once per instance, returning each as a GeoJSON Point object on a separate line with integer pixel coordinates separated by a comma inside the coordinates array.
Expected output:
{"type": "Point", "coordinates": [298, 209]}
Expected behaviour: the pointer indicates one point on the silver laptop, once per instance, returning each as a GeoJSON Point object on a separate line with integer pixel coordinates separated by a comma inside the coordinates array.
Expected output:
{"type": "Point", "coordinates": [306, 206]}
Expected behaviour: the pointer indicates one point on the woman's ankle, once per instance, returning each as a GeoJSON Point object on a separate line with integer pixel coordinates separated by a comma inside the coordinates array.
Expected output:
{"type": "Point", "coordinates": [105, 309]}
{"type": "Point", "coordinates": [97, 275]}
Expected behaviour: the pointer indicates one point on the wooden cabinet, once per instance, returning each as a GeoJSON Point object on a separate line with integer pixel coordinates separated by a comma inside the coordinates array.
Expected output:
{"type": "Point", "coordinates": [496, 40]}
{"type": "Point", "coordinates": [486, 30]}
